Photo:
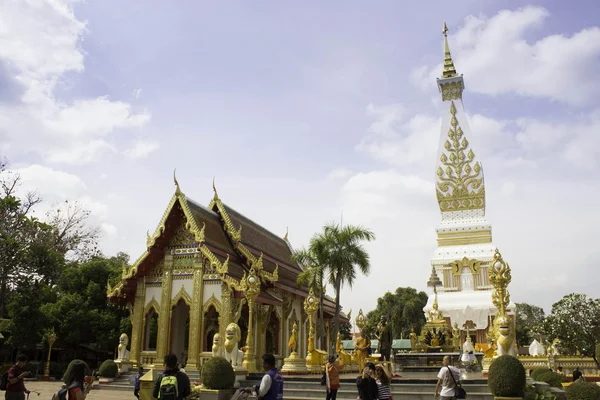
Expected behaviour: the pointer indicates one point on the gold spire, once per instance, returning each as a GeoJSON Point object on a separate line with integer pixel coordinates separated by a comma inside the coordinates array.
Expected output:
{"type": "Point", "coordinates": [177, 190]}
{"type": "Point", "coordinates": [215, 189]}
{"type": "Point", "coordinates": [449, 70]}
{"type": "Point", "coordinates": [286, 234]}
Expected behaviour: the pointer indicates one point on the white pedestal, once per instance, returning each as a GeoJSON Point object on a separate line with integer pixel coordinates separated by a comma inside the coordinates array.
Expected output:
{"type": "Point", "coordinates": [240, 375]}
{"type": "Point", "coordinates": [124, 365]}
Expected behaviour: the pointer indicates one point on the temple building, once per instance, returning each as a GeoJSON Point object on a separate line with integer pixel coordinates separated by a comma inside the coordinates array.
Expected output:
{"type": "Point", "coordinates": [464, 238]}
{"type": "Point", "coordinates": [204, 268]}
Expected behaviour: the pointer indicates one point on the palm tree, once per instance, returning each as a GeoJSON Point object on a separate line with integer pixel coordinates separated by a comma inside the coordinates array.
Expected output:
{"type": "Point", "coordinates": [345, 254]}
{"type": "Point", "coordinates": [313, 260]}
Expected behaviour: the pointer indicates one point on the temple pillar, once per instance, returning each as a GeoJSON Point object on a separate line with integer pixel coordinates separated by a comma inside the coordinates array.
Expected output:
{"type": "Point", "coordinates": [164, 317]}
{"type": "Point", "coordinates": [196, 312]}
{"type": "Point", "coordinates": [137, 329]}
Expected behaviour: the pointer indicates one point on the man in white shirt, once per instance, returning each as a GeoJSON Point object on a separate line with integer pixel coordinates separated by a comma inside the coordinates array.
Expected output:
{"type": "Point", "coordinates": [271, 385]}
{"type": "Point", "coordinates": [445, 380]}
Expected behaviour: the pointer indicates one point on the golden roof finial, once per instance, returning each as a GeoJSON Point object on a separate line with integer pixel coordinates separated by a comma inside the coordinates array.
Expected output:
{"type": "Point", "coordinates": [286, 234]}
{"type": "Point", "coordinates": [449, 70]}
{"type": "Point", "coordinates": [177, 190]}
{"type": "Point", "coordinates": [215, 189]}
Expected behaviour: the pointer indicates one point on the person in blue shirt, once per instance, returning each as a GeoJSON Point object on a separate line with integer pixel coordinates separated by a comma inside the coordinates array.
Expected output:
{"type": "Point", "coordinates": [136, 389]}
{"type": "Point", "coordinates": [271, 385]}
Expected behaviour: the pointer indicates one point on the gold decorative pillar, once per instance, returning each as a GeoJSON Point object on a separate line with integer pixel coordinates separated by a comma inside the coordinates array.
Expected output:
{"type": "Point", "coordinates": [51, 340]}
{"type": "Point", "coordinates": [164, 317]}
{"type": "Point", "coordinates": [311, 305]}
{"type": "Point", "coordinates": [251, 289]}
{"type": "Point", "coordinates": [196, 311]}
{"type": "Point", "coordinates": [137, 322]}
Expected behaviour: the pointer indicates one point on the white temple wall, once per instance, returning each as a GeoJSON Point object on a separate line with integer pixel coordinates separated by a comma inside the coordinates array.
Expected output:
{"type": "Point", "coordinates": [152, 292]}
{"type": "Point", "coordinates": [178, 283]}
{"type": "Point", "coordinates": [211, 289]}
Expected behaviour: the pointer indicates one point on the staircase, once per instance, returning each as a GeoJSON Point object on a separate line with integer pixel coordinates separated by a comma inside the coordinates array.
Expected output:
{"type": "Point", "coordinates": [124, 381]}
{"type": "Point", "coordinates": [297, 389]}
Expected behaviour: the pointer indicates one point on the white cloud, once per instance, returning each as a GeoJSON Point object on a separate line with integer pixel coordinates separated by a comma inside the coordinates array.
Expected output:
{"type": "Point", "coordinates": [142, 148]}
{"type": "Point", "coordinates": [339, 173]}
{"type": "Point", "coordinates": [49, 180]}
{"type": "Point", "coordinates": [137, 93]}
{"type": "Point", "coordinates": [497, 57]}
{"type": "Point", "coordinates": [41, 43]}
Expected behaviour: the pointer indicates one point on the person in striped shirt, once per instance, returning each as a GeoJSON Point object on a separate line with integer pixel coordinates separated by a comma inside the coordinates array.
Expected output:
{"type": "Point", "coordinates": [383, 380]}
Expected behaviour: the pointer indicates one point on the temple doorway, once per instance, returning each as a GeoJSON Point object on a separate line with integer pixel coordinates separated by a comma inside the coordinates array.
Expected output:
{"type": "Point", "coordinates": [180, 328]}
{"type": "Point", "coordinates": [150, 330]}
{"type": "Point", "coordinates": [211, 327]}
{"type": "Point", "coordinates": [272, 334]}
{"type": "Point", "coordinates": [243, 324]}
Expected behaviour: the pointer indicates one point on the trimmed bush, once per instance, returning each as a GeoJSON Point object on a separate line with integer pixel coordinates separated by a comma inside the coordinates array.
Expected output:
{"type": "Point", "coordinates": [583, 391]}
{"type": "Point", "coordinates": [217, 374]}
{"type": "Point", "coordinates": [535, 375]}
{"type": "Point", "coordinates": [88, 371]}
{"type": "Point", "coordinates": [108, 369]}
{"type": "Point", "coordinates": [506, 377]}
{"type": "Point", "coordinates": [551, 378]}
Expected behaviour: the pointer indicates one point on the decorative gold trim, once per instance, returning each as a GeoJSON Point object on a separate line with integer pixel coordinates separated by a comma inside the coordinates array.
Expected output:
{"type": "Point", "coordinates": [212, 301]}
{"type": "Point", "coordinates": [152, 304]}
{"type": "Point", "coordinates": [464, 237]}
{"type": "Point", "coordinates": [460, 186]}
{"type": "Point", "coordinates": [452, 90]}
{"type": "Point", "coordinates": [182, 295]}
{"type": "Point", "coordinates": [458, 265]}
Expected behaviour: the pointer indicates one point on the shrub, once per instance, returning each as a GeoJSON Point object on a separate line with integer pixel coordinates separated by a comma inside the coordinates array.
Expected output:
{"type": "Point", "coordinates": [535, 375]}
{"type": "Point", "coordinates": [583, 391]}
{"type": "Point", "coordinates": [108, 369]}
{"type": "Point", "coordinates": [217, 374]}
{"type": "Point", "coordinates": [88, 371]}
{"type": "Point", "coordinates": [551, 378]}
{"type": "Point", "coordinates": [506, 377]}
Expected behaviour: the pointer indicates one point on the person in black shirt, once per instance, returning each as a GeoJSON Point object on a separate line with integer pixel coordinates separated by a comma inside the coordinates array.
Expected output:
{"type": "Point", "coordinates": [183, 382]}
{"type": "Point", "coordinates": [577, 374]}
{"type": "Point", "coordinates": [366, 384]}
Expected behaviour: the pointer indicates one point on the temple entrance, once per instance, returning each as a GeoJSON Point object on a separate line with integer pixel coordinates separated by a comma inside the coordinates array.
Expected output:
{"type": "Point", "coordinates": [272, 334]}
{"type": "Point", "coordinates": [466, 280]}
{"type": "Point", "coordinates": [150, 331]}
{"type": "Point", "coordinates": [243, 324]}
{"type": "Point", "coordinates": [211, 327]}
{"type": "Point", "coordinates": [180, 328]}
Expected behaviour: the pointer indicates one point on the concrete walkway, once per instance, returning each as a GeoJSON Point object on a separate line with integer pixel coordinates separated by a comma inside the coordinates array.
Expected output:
{"type": "Point", "coordinates": [47, 389]}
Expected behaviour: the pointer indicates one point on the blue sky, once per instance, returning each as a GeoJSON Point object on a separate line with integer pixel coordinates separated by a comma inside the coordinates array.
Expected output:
{"type": "Point", "coordinates": [304, 111]}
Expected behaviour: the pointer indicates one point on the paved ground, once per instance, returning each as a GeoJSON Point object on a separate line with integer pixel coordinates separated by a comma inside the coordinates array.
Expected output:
{"type": "Point", "coordinates": [47, 389]}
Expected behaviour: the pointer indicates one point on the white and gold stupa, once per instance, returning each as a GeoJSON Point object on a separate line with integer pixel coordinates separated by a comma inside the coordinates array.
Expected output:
{"type": "Point", "coordinates": [465, 249]}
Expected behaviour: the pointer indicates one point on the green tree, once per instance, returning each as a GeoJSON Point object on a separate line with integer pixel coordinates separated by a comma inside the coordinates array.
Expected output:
{"type": "Point", "coordinates": [314, 260]}
{"type": "Point", "coordinates": [529, 323]}
{"type": "Point", "coordinates": [28, 322]}
{"type": "Point", "coordinates": [575, 321]}
{"type": "Point", "coordinates": [81, 313]}
{"type": "Point", "coordinates": [346, 255]}
{"type": "Point", "coordinates": [403, 309]}
{"type": "Point", "coordinates": [346, 330]}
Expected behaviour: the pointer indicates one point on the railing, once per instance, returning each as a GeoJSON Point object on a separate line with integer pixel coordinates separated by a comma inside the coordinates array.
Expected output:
{"type": "Point", "coordinates": [148, 358]}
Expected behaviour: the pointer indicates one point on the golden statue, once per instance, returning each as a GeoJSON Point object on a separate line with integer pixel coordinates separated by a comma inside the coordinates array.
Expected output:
{"type": "Point", "coordinates": [338, 344]}
{"type": "Point", "coordinates": [413, 339]}
{"type": "Point", "coordinates": [293, 339]}
{"type": "Point", "coordinates": [362, 350]}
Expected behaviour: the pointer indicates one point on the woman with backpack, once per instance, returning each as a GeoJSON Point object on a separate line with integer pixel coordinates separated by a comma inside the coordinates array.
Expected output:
{"type": "Point", "coordinates": [75, 387]}
{"type": "Point", "coordinates": [332, 371]}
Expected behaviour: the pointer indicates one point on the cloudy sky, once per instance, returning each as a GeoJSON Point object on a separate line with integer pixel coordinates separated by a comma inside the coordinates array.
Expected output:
{"type": "Point", "coordinates": [304, 111]}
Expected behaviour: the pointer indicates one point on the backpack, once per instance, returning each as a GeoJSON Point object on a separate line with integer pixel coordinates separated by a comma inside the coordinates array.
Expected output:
{"type": "Point", "coordinates": [63, 393]}
{"type": "Point", "coordinates": [324, 379]}
{"type": "Point", "coordinates": [4, 381]}
{"type": "Point", "coordinates": [168, 388]}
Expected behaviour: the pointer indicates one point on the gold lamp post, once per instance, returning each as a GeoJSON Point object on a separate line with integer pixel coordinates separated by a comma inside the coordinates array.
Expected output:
{"type": "Point", "coordinates": [250, 286]}
{"type": "Point", "coordinates": [311, 305]}
{"type": "Point", "coordinates": [51, 340]}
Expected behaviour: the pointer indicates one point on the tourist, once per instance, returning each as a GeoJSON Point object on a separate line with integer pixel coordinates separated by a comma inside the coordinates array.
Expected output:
{"type": "Point", "coordinates": [75, 382]}
{"type": "Point", "coordinates": [577, 374]}
{"type": "Point", "coordinates": [171, 384]}
{"type": "Point", "coordinates": [15, 388]}
{"type": "Point", "coordinates": [332, 369]}
{"type": "Point", "coordinates": [560, 371]}
{"type": "Point", "coordinates": [383, 380]}
{"type": "Point", "coordinates": [136, 389]}
{"type": "Point", "coordinates": [366, 384]}
{"type": "Point", "coordinates": [447, 378]}
{"type": "Point", "coordinates": [271, 385]}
